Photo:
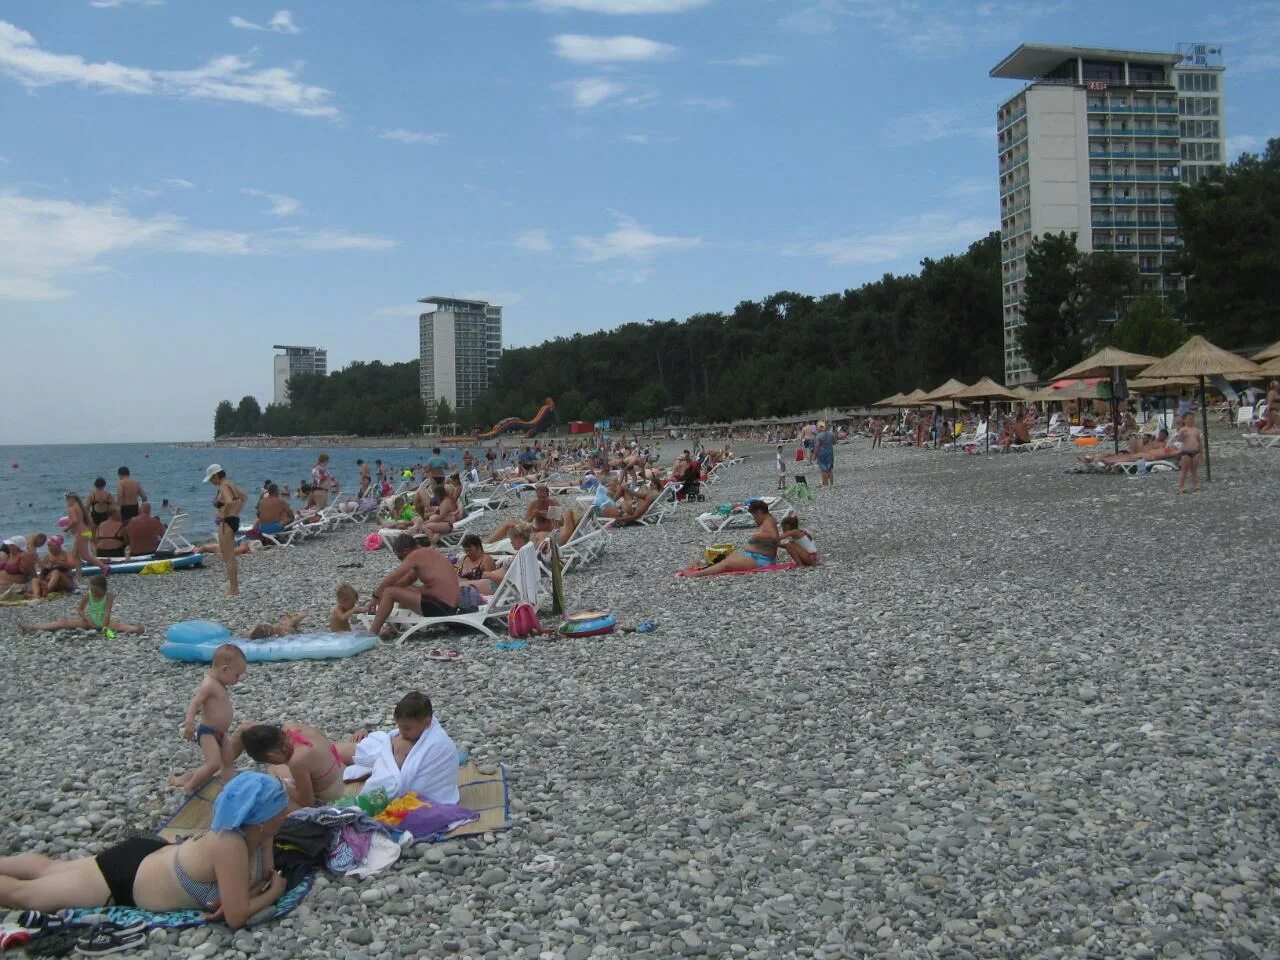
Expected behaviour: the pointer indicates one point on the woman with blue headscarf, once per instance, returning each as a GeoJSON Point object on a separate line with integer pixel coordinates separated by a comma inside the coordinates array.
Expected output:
{"type": "Point", "coordinates": [227, 871]}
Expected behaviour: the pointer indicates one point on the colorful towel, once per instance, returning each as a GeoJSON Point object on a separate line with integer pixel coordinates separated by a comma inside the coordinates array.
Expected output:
{"type": "Point", "coordinates": [125, 916]}
{"type": "Point", "coordinates": [789, 565]}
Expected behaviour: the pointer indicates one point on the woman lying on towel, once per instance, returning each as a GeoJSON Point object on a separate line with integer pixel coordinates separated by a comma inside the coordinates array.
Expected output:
{"type": "Point", "coordinates": [228, 871]}
{"type": "Point", "coordinates": [305, 760]}
{"type": "Point", "coordinates": [761, 549]}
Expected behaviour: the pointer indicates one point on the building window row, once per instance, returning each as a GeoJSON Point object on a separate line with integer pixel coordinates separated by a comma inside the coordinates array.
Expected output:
{"type": "Point", "coordinates": [1198, 106]}
{"type": "Point", "coordinates": [1198, 82]}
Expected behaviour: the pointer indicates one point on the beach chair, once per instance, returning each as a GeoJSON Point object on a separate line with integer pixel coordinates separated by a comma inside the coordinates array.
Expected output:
{"type": "Point", "coordinates": [460, 529]}
{"type": "Point", "coordinates": [1142, 468]}
{"type": "Point", "coordinates": [172, 540]}
{"type": "Point", "coordinates": [1261, 441]}
{"type": "Point", "coordinates": [523, 583]}
{"type": "Point", "coordinates": [713, 521]}
{"type": "Point", "coordinates": [588, 542]}
{"type": "Point", "coordinates": [661, 507]}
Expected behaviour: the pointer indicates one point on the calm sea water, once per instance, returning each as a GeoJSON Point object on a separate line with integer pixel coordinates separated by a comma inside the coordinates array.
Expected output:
{"type": "Point", "coordinates": [34, 479]}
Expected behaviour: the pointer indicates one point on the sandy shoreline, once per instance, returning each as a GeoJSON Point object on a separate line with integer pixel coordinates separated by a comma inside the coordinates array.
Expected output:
{"type": "Point", "coordinates": [1015, 713]}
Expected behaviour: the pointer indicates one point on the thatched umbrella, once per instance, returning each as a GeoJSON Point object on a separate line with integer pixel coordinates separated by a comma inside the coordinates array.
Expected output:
{"type": "Point", "coordinates": [1101, 364]}
{"type": "Point", "coordinates": [947, 391]}
{"type": "Point", "coordinates": [1270, 353]}
{"type": "Point", "coordinates": [890, 401]}
{"type": "Point", "coordinates": [1271, 367]}
{"type": "Point", "coordinates": [913, 399]}
{"type": "Point", "coordinates": [1199, 358]}
{"type": "Point", "coordinates": [988, 390]}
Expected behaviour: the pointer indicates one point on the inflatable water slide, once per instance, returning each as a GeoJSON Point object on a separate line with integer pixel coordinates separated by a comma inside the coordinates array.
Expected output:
{"type": "Point", "coordinates": [543, 419]}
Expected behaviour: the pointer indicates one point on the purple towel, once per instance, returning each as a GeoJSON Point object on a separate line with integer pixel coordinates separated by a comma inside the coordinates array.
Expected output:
{"type": "Point", "coordinates": [433, 820]}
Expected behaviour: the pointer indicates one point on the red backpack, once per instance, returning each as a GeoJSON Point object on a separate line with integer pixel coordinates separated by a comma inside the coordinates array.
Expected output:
{"type": "Point", "coordinates": [523, 621]}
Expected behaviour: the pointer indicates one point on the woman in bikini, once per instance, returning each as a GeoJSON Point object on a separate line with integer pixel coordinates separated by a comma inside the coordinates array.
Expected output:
{"type": "Point", "coordinates": [228, 871]}
{"type": "Point", "coordinates": [229, 501]}
{"type": "Point", "coordinates": [100, 502]}
{"type": "Point", "coordinates": [82, 533]}
{"type": "Point", "coordinates": [761, 549]}
{"type": "Point", "coordinates": [306, 761]}
{"type": "Point", "coordinates": [475, 564]}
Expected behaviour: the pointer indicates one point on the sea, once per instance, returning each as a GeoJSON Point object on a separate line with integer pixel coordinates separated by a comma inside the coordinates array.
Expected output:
{"type": "Point", "coordinates": [34, 479]}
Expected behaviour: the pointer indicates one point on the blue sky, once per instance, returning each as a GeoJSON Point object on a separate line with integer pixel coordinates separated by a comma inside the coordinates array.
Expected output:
{"type": "Point", "coordinates": [183, 184]}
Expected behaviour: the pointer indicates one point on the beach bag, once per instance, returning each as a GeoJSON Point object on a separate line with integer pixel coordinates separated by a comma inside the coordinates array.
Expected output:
{"type": "Point", "coordinates": [468, 599]}
{"type": "Point", "coordinates": [523, 621]}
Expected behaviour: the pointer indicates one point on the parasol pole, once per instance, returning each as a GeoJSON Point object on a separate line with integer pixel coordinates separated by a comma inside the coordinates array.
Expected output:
{"type": "Point", "coordinates": [1204, 419]}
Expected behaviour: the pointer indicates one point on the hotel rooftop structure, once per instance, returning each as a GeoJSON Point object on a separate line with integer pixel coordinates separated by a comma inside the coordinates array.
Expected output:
{"type": "Point", "coordinates": [1094, 144]}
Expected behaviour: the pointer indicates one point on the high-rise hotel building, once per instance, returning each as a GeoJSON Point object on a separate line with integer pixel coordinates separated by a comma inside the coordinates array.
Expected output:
{"type": "Point", "coordinates": [1094, 145]}
{"type": "Point", "coordinates": [459, 344]}
{"type": "Point", "coordinates": [293, 361]}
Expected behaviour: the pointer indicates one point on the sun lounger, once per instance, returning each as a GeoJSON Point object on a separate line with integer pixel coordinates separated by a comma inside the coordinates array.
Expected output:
{"type": "Point", "coordinates": [713, 521]}
{"type": "Point", "coordinates": [1142, 468]}
{"type": "Point", "coordinates": [172, 541]}
{"type": "Point", "coordinates": [460, 529]}
{"type": "Point", "coordinates": [505, 596]}
{"type": "Point", "coordinates": [588, 542]}
{"type": "Point", "coordinates": [1261, 441]}
{"type": "Point", "coordinates": [660, 507]}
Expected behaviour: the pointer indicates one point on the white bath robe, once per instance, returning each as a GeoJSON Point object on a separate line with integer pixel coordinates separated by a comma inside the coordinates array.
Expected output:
{"type": "Point", "coordinates": [430, 770]}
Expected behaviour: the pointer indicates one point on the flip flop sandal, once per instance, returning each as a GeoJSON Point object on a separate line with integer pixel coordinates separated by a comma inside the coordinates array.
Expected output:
{"type": "Point", "coordinates": [437, 655]}
{"type": "Point", "coordinates": [103, 942]}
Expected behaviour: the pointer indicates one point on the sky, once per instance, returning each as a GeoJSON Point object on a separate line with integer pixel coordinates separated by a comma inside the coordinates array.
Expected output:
{"type": "Point", "coordinates": [184, 184]}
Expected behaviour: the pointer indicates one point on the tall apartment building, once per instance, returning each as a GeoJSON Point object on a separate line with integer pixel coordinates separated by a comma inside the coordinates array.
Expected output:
{"type": "Point", "coordinates": [293, 361]}
{"type": "Point", "coordinates": [1094, 145]}
{"type": "Point", "coordinates": [459, 343]}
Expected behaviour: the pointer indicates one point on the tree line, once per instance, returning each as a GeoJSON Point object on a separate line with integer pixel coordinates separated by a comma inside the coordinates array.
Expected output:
{"type": "Point", "coordinates": [790, 352]}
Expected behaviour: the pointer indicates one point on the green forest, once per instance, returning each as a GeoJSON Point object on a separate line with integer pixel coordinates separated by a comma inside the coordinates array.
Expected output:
{"type": "Point", "coordinates": [790, 352]}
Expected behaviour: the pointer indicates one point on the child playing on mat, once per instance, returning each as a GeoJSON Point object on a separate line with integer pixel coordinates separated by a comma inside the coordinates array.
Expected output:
{"type": "Point", "coordinates": [287, 627]}
{"type": "Point", "coordinates": [94, 613]}
{"type": "Point", "coordinates": [782, 470]}
{"type": "Point", "coordinates": [798, 543]}
{"type": "Point", "coordinates": [212, 701]}
{"type": "Point", "coordinates": [340, 618]}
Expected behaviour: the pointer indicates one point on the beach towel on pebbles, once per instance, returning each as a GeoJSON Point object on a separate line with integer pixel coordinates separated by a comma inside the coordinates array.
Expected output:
{"type": "Point", "coordinates": [126, 916]}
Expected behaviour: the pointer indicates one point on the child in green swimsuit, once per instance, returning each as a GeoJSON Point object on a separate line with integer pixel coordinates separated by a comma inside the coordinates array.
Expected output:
{"type": "Point", "coordinates": [94, 613]}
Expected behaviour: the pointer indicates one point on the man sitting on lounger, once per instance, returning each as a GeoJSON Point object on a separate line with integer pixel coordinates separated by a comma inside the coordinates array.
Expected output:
{"type": "Point", "coordinates": [419, 757]}
{"type": "Point", "coordinates": [142, 534]}
{"type": "Point", "coordinates": [424, 582]}
{"type": "Point", "coordinates": [273, 511]}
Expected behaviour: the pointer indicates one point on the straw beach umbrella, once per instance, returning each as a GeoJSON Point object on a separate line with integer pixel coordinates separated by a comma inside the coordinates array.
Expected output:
{"type": "Point", "coordinates": [988, 390]}
{"type": "Point", "coordinates": [1101, 364]}
{"type": "Point", "coordinates": [1270, 368]}
{"type": "Point", "coordinates": [890, 401]}
{"type": "Point", "coordinates": [1199, 358]}
{"type": "Point", "coordinates": [1270, 353]}
{"type": "Point", "coordinates": [947, 391]}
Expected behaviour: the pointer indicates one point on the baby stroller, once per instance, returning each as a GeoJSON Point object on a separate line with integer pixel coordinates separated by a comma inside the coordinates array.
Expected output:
{"type": "Point", "coordinates": [691, 483]}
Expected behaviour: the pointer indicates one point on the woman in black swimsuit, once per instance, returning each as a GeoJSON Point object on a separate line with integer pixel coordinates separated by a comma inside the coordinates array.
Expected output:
{"type": "Point", "coordinates": [57, 568]}
{"type": "Point", "coordinates": [100, 501]}
{"type": "Point", "coordinates": [475, 564]}
{"type": "Point", "coordinates": [229, 501]}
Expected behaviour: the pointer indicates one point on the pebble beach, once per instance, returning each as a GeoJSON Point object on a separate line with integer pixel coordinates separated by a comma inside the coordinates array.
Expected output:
{"type": "Point", "coordinates": [1016, 712]}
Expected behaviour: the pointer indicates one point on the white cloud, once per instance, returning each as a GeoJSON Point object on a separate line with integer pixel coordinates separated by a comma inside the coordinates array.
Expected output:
{"type": "Point", "coordinates": [646, 139]}
{"type": "Point", "coordinates": [107, 4]}
{"type": "Point", "coordinates": [619, 7]}
{"type": "Point", "coordinates": [623, 49]}
{"type": "Point", "coordinates": [630, 241]}
{"type": "Point", "coordinates": [749, 60]}
{"type": "Point", "coordinates": [926, 29]}
{"type": "Point", "coordinates": [1244, 142]}
{"type": "Point", "coordinates": [926, 126]}
{"type": "Point", "coordinates": [971, 187]}
{"type": "Point", "coordinates": [180, 183]}
{"type": "Point", "coordinates": [593, 91]}
{"type": "Point", "coordinates": [909, 239]}
{"type": "Point", "coordinates": [228, 78]}
{"type": "Point", "coordinates": [281, 22]}
{"type": "Point", "coordinates": [45, 242]}
{"type": "Point", "coordinates": [536, 240]}
{"type": "Point", "coordinates": [281, 205]}
{"type": "Point", "coordinates": [707, 103]}
{"type": "Point", "coordinates": [401, 135]}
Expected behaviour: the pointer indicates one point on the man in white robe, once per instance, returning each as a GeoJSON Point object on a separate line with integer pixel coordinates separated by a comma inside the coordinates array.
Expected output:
{"type": "Point", "coordinates": [418, 757]}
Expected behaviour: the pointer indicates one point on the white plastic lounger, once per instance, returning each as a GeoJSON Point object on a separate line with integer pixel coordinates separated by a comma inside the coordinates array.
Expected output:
{"type": "Point", "coordinates": [738, 519]}
{"type": "Point", "coordinates": [172, 539]}
{"type": "Point", "coordinates": [522, 583]}
{"type": "Point", "coordinates": [1261, 441]}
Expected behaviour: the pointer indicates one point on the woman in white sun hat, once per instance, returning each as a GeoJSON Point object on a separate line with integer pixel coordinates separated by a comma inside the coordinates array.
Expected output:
{"type": "Point", "coordinates": [228, 501]}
